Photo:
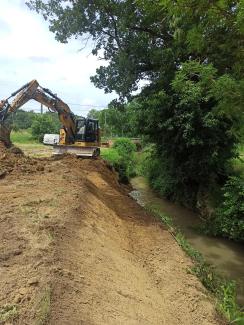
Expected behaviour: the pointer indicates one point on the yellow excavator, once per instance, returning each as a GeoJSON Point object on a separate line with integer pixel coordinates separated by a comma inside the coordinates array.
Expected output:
{"type": "Point", "coordinates": [79, 136]}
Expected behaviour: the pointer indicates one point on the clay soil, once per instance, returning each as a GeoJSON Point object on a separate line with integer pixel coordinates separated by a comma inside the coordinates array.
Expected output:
{"type": "Point", "coordinates": [76, 249]}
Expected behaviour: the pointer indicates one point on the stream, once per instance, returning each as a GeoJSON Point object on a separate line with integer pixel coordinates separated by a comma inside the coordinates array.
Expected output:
{"type": "Point", "coordinates": [225, 255]}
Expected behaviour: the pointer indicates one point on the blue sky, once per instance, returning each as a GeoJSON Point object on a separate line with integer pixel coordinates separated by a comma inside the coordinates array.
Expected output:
{"type": "Point", "coordinates": [29, 51]}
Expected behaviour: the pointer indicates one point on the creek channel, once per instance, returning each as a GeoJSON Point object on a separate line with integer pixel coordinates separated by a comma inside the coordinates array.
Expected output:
{"type": "Point", "coordinates": [226, 256]}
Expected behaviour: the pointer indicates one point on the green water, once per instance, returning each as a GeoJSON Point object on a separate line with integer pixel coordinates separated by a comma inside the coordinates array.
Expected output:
{"type": "Point", "coordinates": [225, 255]}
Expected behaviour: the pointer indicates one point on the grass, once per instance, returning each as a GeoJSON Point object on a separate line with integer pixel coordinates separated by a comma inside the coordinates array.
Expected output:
{"type": "Point", "coordinates": [223, 290]}
{"type": "Point", "coordinates": [43, 309]}
{"type": "Point", "coordinates": [8, 313]}
{"type": "Point", "coordinates": [110, 154]}
{"type": "Point", "coordinates": [22, 136]}
{"type": "Point", "coordinates": [23, 140]}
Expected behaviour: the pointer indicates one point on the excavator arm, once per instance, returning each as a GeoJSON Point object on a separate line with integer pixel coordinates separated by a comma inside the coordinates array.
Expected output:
{"type": "Point", "coordinates": [79, 136]}
{"type": "Point", "coordinates": [33, 90]}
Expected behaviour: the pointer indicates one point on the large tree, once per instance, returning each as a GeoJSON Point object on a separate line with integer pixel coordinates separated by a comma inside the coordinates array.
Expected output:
{"type": "Point", "coordinates": [189, 53]}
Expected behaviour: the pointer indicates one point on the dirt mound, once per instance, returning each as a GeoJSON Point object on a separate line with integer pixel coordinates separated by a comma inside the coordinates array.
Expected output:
{"type": "Point", "coordinates": [12, 160]}
{"type": "Point", "coordinates": [76, 249]}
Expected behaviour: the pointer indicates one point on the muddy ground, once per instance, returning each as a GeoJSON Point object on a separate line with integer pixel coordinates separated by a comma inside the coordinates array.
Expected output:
{"type": "Point", "coordinates": [76, 249]}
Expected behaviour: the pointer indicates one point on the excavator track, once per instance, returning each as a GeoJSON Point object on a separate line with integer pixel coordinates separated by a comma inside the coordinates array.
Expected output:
{"type": "Point", "coordinates": [86, 152]}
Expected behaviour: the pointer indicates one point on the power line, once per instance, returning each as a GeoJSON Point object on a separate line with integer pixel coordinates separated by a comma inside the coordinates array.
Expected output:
{"type": "Point", "coordinates": [88, 105]}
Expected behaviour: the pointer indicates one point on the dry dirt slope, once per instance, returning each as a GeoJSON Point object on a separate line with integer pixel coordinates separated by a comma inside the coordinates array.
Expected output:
{"type": "Point", "coordinates": [75, 249]}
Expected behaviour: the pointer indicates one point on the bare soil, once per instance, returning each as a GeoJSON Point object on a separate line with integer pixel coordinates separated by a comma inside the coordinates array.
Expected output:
{"type": "Point", "coordinates": [76, 249]}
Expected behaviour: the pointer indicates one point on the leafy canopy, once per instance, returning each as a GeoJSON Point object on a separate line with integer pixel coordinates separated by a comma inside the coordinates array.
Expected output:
{"type": "Point", "coordinates": [189, 54]}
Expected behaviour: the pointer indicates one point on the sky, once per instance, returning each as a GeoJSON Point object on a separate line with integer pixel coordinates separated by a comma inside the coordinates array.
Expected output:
{"type": "Point", "coordinates": [28, 50]}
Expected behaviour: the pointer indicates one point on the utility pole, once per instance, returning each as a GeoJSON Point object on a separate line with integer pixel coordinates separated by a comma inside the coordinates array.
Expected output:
{"type": "Point", "coordinates": [41, 109]}
{"type": "Point", "coordinates": [105, 123]}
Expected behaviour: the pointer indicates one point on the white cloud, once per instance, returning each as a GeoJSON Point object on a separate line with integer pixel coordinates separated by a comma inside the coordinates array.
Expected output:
{"type": "Point", "coordinates": [29, 51]}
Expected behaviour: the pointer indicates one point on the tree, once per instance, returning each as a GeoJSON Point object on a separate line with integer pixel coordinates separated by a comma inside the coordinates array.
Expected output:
{"type": "Point", "coordinates": [22, 119]}
{"type": "Point", "coordinates": [191, 55]}
{"type": "Point", "coordinates": [145, 41]}
{"type": "Point", "coordinates": [42, 124]}
{"type": "Point", "coordinates": [113, 121]}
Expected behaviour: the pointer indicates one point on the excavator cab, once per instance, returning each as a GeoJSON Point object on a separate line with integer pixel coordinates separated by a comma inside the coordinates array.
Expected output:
{"type": "Point", "coordinates": [87, 130]}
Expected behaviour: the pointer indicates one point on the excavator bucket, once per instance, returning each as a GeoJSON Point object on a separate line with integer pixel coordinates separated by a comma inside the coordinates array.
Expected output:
{"type": "Point", "coordinates": [86, 152]}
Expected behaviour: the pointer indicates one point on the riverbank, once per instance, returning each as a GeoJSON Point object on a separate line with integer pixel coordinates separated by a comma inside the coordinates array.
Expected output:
{"type": "Point", "coordinates": [75, 248]}
{"type": "Point", "coordinates": [225, 255]}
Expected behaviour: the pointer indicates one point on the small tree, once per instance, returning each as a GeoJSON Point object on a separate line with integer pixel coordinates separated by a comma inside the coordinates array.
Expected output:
{"type": "Point", "coordinates": [43, 124]}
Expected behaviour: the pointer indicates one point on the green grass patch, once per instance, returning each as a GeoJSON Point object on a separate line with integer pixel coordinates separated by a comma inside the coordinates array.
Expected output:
{"type": "Point", "coordinates": [110, 154]}
{"type": "Point", "coordinates": [43, 309]}
{"type": "Point", "coordinates": [22, 136]}
{"type": "Point", "coordinates": [222, 289]}
{"type": "Point", "coordinates": [122, 157]}
{"type": "Point", "coordinates": [8, 313]}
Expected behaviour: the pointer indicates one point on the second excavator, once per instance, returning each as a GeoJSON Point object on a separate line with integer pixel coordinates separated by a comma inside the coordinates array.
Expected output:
{"type": "Point", "coordinates": [78, 135]}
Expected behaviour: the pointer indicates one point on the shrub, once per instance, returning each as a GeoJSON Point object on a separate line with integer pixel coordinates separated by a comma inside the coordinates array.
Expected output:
{"type": "Point", "coordinates": [42, 124]}
{"type": "Point", "coordinates": [228, 220]}
{"type": "Point", "coordinates": [124, 146]}
{"type": "Point", "coordinates": [122, 158]}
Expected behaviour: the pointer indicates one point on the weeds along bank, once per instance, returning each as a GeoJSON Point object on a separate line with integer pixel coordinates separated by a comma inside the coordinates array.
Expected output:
{"type": "Point", "coordinates": [221, 204]}
{"type": "Point", "coordinates": [122, 156]}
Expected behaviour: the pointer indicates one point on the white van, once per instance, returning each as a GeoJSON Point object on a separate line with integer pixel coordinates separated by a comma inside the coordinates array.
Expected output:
{"type": "Point", "coordinates": [51, 139]}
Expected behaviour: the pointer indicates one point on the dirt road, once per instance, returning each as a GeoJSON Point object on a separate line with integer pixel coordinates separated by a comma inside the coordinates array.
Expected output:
{"type": "Point", "coordinates": [76, 249]}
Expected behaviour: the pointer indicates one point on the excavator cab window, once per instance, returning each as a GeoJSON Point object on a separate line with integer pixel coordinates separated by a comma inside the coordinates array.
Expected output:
{"type": "Point", "coordinates": [81, 129]}
{"type": "Point", "coordinates": [87, 130]}
{"type": "Point", "coordinates": [91, 130]}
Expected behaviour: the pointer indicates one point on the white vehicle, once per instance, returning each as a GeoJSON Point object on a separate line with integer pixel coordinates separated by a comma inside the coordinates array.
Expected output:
{"type": "Point", "coordinates": [51, 139]}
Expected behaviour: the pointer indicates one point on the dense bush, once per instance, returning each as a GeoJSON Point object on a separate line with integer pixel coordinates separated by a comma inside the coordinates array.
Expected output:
{"type": "Point", "coordinates": [228, 220]}
{"type": "Point", "coordinates": [126, 164]}
{"type": "Point", "coordinates": [194, 134]}
{"type": "Point", "coordinates": [124, 146]}
{"type": "Point", "coordinates": [122, 158]}
{"type": "Point", "coordinates": [22, 120]}
{"type": "Point", "coordinates": [42, 124]}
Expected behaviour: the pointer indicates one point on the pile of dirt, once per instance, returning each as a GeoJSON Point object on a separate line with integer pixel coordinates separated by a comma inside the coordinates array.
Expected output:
{"type": "Point", "coordinates": [76, 249]}
{"type": "Point", "coordinates": [12, 160]}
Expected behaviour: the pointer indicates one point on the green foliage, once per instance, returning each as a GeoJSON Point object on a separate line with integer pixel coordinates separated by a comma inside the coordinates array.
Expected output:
{"type": "Point", "coordinates": [143, 161]}
{"type": "Point", "coordinates": [8, 313]}
{"type": "Point", "coordinates": [42, 124]}
{"type": "Point", "coordinates": [122, 158]}
{"type": "Point", "coordinates": [22, 136]}
{"type": "Point", "coordinates": [113, 121]}
{"type": "Point", "coordinates": [228, 220]}
{"type": "Point", "coordinates": [224, 291]}
{"type": "Point", "coordinates": [124, 147]}
{"type": "Point", "coordinates": [22, 120]}
{"type": "Point", "coordinates": [111, 155]}
{"type": "Point", "coordinates": [195, 135]}
{"type": "Point", "coordinates": [190, 53]}
{"type": "Point", "coordinates": [43, 308]}
{"type": "Point", "coordinates": [126, 164]}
